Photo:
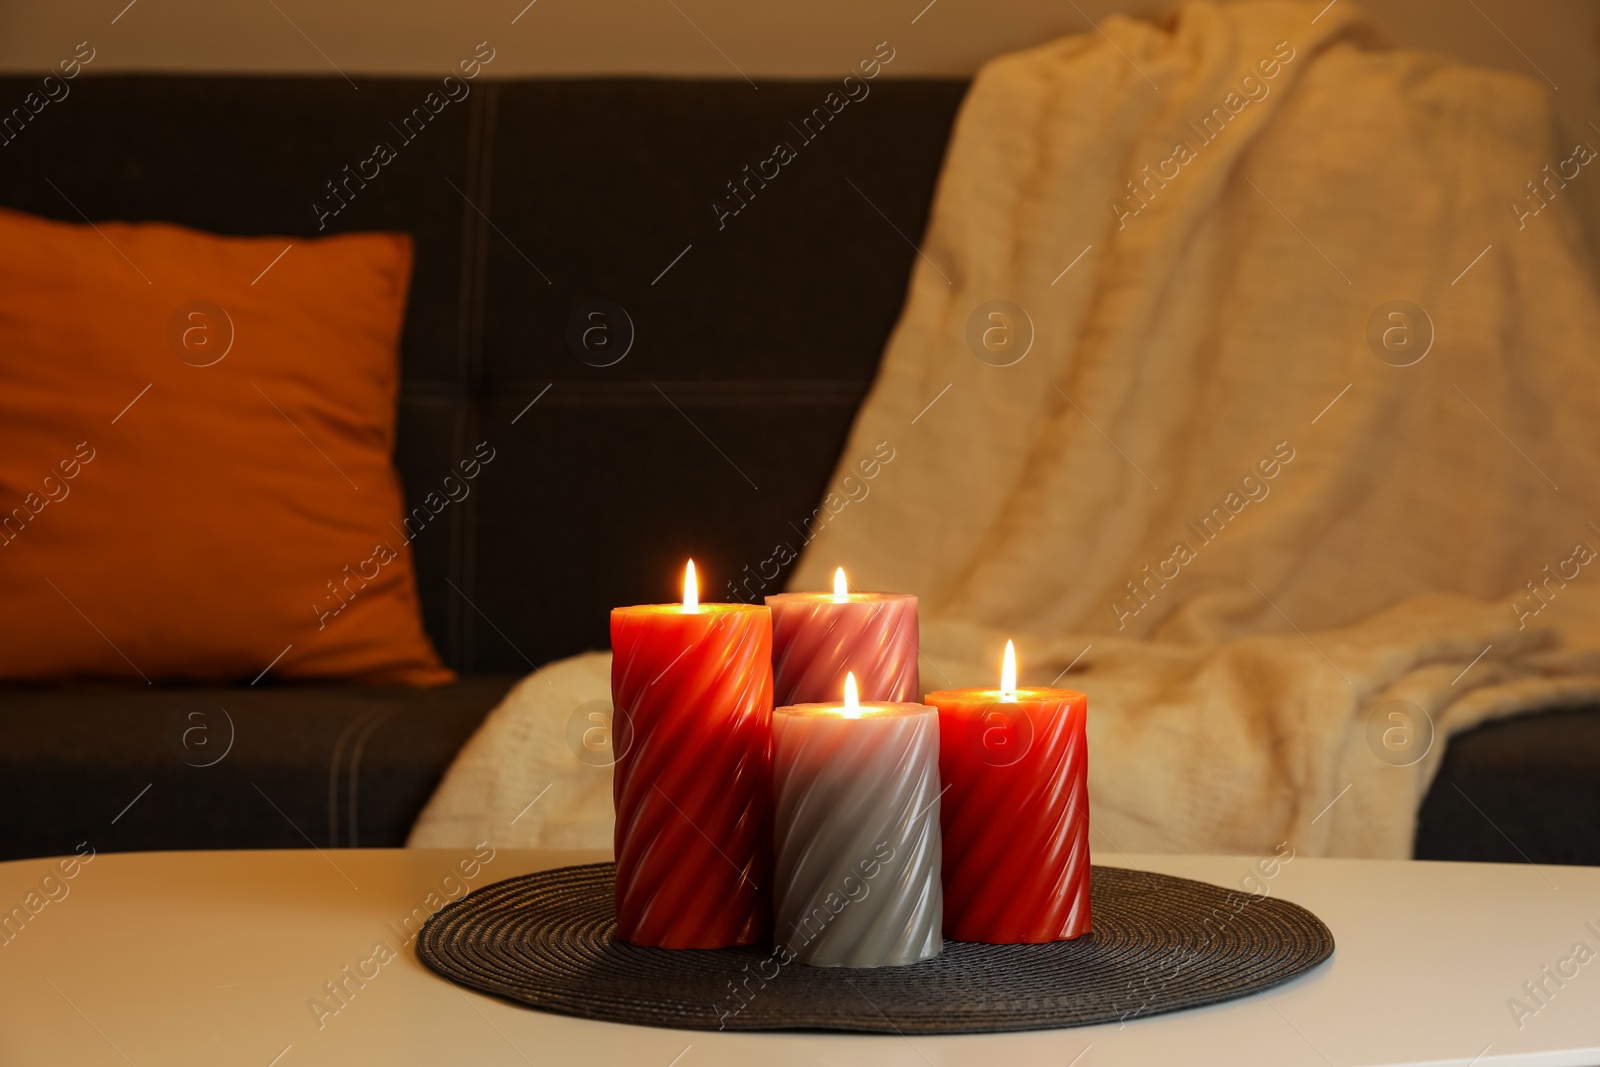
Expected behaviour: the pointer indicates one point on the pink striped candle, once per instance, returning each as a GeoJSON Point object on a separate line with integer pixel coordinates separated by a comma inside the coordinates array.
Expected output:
{"type": "Point", "coordinates": [818, 638]}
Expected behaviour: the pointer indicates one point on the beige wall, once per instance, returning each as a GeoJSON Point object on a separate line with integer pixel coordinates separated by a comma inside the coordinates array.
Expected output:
{"type": "Point", "coordinates": [762, 38]}
{"type": "Point", "coordinates": [1552, 41]}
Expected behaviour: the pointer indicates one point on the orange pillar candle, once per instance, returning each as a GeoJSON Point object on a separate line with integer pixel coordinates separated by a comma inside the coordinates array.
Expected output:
{"type": "Point", "coordinates": [692, 687]}
{"type": "Point", "coordinates": [1015, 768]}
{"type": "Point", "coordinates": [817, 639]}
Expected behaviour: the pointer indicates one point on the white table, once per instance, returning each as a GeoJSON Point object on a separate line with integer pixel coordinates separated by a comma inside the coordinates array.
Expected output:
{"type": "Point", "coordinates": [214, 957]}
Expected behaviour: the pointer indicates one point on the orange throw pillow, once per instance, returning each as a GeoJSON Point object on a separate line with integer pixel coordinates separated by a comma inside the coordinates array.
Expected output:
{"type": "Point", "coordinates": [195, 441]}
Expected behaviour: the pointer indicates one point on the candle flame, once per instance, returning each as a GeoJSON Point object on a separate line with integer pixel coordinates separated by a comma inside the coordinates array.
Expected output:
{"type": "Point", "coordinates": [852, 702]}
{"type": "Point", "coordinates": [1008, 675]}
{"type": "Point", "coordinates": [841, 588]}
{"type": "Point", "coordinates": [691, 590]}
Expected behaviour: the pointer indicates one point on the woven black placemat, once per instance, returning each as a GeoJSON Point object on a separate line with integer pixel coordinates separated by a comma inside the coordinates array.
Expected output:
{"type": "Point", "coordinates": [1159, 944]}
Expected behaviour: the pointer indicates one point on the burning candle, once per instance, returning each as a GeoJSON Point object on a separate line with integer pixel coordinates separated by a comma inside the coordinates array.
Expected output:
{"type": "Point", "coordinates": [817, 639]}
{"type": "Point", "coordinates": [1015, 765]}
{"type": "Point", "coordinates": [856, 832]}
{"type": "Point", "coordinates": [692, 684]}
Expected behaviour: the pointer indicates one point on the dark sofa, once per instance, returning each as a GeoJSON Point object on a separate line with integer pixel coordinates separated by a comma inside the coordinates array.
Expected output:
{"type": "Point", "coordinates": [751, 337]}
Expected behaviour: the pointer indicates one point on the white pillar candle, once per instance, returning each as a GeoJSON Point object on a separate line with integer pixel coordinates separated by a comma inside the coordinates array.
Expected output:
{"type": "Point", "coordinates": [856, 832]}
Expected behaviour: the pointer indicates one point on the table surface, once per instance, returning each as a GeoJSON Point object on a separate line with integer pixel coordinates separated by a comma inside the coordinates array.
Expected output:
{"type": "Point", "coordinates": [220, 957]}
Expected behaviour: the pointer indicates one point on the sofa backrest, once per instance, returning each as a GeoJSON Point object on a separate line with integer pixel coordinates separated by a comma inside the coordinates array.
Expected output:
{"type": "Point", "coordinates": [759, 284]}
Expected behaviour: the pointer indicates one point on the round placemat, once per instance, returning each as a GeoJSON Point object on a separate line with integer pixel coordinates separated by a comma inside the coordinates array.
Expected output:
{"type": "Point", "coordinates": [1159, 944]}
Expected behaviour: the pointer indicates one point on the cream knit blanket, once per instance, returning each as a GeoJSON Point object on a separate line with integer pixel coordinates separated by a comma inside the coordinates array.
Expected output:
{"type": "Point", "coordinates": [1151, 420]}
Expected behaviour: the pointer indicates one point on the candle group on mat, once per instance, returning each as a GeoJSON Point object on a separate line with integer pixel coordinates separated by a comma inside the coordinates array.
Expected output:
{"type": "Point", "coordinates": [759, 787]}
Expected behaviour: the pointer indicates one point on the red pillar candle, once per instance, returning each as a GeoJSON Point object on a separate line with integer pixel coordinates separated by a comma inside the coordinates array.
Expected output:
{"type": "Point", "coordinates": [1015, 811]}
{"type": "Point", "coordinates": [817, 639]}
{"type": "Point", "coordinates": [692, 687]}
